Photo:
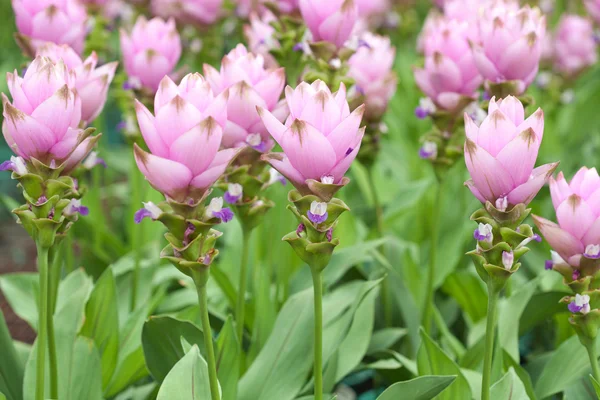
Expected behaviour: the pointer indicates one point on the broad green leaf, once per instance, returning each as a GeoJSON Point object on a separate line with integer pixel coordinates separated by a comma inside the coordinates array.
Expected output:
{"type": "Point", "coordinates": [541, 307]}
{"type": "Point", "coordinates": [85, 374]}
{"type": "Point", "coordinates": [161, 341]}
{"type": "Point", "coordinates": [385, 338]}
{"type": "Point", "coordinates": [228, 357]}
{"type": "Point", "coordinates": [11, 369]}
{"type": "Point", "coordinates": [188, 380]}
{"type": "Point", "coordinates": [523, 375]}
{"type": "Point", "coordinates": [102, 323]}
{"type": "Point", "coordinates": [509, 387]}
{"type": "Point", "coordinates": [509, 317]}
{"type": "Point", "coordinates": [21, 291]}
{"type": "Point", "coordinates": [2, 396]}
{"type": "Point", "coordinates": [421, 388]}
{"type": "Point", "coordinates": [431, 360]}
{"type": "Point", "coordinates": [582, 389]}
{"type": "Point", "coordinates": [468, 291]}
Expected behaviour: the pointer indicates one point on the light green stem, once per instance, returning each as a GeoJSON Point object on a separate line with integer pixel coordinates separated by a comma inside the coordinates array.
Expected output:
{"type": "Point", "coordinates": [137, 232]}
{"type": "Point", "coordinates": [590, 346]}
{"type": "Point", "coordinates": [490, 329]}
{"type": "Point", "coordinates": [318, 367]}
{"type": "Point", "coordinates": [42, 261]}
{"type": "Point", "coordinates": [240, 309]}
{"type": "Point", "coordinates": [435, 233]}
{"type": "Point", "coordinates": [200, 279]}
{"type": "Point", "coordinates": [54, 274]}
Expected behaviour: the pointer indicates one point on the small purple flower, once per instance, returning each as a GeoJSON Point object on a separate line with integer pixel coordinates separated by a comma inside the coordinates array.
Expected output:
{"type": "Point", "coordinates": [359, 90]}
{"type": "Point", "coordinates": [428, 151]}
{"type": "Point", "coordinates": [548, 265]}
{"type": "Point", "coordinates": [592, 251]}
{"type": "Point", "coordinates": [317, 213]}
{"type": "Point", "coordinates": [329, 234]}
{"type": "Point", "coordinates": [328, 179]}
{"type": "Point", "coordinates": [300, 229]}
{"type": "Point", "coordinates": [132, 83]}
{"type": "Point", "coordinates": [508, 259]}
{"type": "Point", "coordinates": [234, 193]}
{"type": "Point", "coordinates": [75, 207]}
{"type": "Point", "coordinates": [121, 125]}
{"type": "Point", "coordinates": [486, 95]}
{"type": "Point", "coordinates": [225, 214]}
{"type": "Point", "coordinates": [363, 43]}
{"type": "Point", "coordinates": [150, 210]}
{"type": "Point", "coordinates": [275, 176]}
{"type": "Point", "coordinates": [576, 275]}
{"type": "Point", "coordinates": [425, 108]}
{"type": "Point", "coordinates": [15, 164]}
{"type": "Point", "coordinates": [206, 260]}
{"type": "Point", "coordinates": [581, 304]}
{"type": "Point", "coordinates": [537, 238]}
{"type": "Point", "coordinates": [41, 200]}
{"type": "Point", "coordinates": [92, 160]}
{"type": "Point", "coordinates": [255, 141]}
{"type": "Point", "coordinates": [215, 210]}
{"type": "Point", "coordinates": [484, 233]}
{"type": "Point", "coordinates": [188, 232]}
{"type": "Point", "coordinates": [298, 47]}
{"type": "Point", "coordinates": [574, 308]}
{"type": "Point", "coordinates": [421, 113]}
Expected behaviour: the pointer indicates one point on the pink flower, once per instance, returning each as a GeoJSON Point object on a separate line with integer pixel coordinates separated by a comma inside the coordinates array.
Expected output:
{"type": "Point", "coordinates": [184, 137]}
{"type": "Point", "coordinates": [95, 2]}
{"type": "Point", "coordinates": [467, 11]}
{"type": "Point", "coordinates": [577, 206]}
{"type": "Point", "coordinates": [331, 20]}
{"type": "Point", "coordinates": [91, 83]}
{"type": "Point", "coordinates": [367, 8]}
{"type": "Point", "coordinates": [575, 47]}
{"type": "Point", "coordinates": [189, 11]}
{"type": "Point", "coordinates": [501, 153]}
{"type": "Point", "coordinates": [259, 34]}
{"type": "Point", "coordinates": [247, 7]}
{"type": "Point", "coordinates": [450, 73]}
{"type": "Point", "coordinates": [593, 8]}
{"type": "Point", "coordinates": [320, 138]}
{"type": "Point", "coordinates": [371, 68]}
{"type": "Point", "coordinates": [151, 51]}
{"type": "Point", "coordinates": [42, 120]}
{"type": "Point", "coordinates": [57, 21]}
{"type": "Point", "coordinates": [511, 43]}
{"type": "Point", "coordinates": [250, 85]}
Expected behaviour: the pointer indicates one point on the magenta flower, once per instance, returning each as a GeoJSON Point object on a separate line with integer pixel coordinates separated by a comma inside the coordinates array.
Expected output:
{"type": "Point", "coordinates": [331, 21]}
{"type": "Point", "coordinates": [450, 74]}
{"type": "Point", "coordinates": [91, 83]}
{"type": "Point", "coordinates": [189, 11]}
{"type": "Point", "coordinates": [501, 153]}
{"type": "Point", "coordinates": [575, 45]}
{"type": "Point", "coordinates": [320, 138]}
{"type": "Point", "coordinates": [250, 85]}
{"type": "Point", "coordinates": [511, 43]}
{"type": "Point", "coordinates": [151, 51]}
{"type": "Point", "coordinates": [184, 137]}
{"type": "Point", "coordinates": [593, 8]}
{"type": "Point", "coordinates": [57, 21]}
{"type": "Point", "coordinates": [577, 206]}
{"type": "Point", "coordinates": [42, 120]}
{"type": "Point", "coordinates": [371, 67]}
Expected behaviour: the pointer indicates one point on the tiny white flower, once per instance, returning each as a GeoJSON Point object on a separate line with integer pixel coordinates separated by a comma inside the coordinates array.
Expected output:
{"type": "Point", "coordinates": [215, 205]}
{"type": "Point", "coordinates": [476, 113]}
{"type": "Point", "coordinates": [254, 139]}
{"type": "Point", "coordinates": [19, 165]}
{"type": "Point", "coordinates": [567, 96]}
{"type": "Point", "coordinates": [427, 105]}
{"type": "Point", "coordinates": [155, 211]}
{"type": "Point", "coordinates": [327, 179]}
{"type": "Point", "coordinates": [336, 63]}
{"type": "Point", "coordinates": [508, 258]}
{"type": "Point", "coordinates": [592, 250]}
{"type": "Point", "coordinates": [583, 301]}
{"type": "Point", "coordinates": [318, 208]}
{"type": "Point", "coordinates": [235, 189]}
{"type": "Point", "coordinates": [556, 258]}
{"type": "Point", "coordinates": [502, 203]}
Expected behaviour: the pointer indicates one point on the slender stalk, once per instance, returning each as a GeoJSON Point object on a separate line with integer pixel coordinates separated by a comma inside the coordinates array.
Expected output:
{"type": "Point", "coordinates": [240, 309]}
{"type": "Point", "coordinates": [137, 232]}
{"type": "Point", "coordinates": [69, 253]}
{"type": "Point", "coordinates": [490, 329]}
{"type": "Point", "coordinates": [54, 274]}
{"type": "Point", "coordinates": [42, 261]}
{"type": "Point", "coordinates": [318, 367]}
{"type": "Point", "coordinates": [590, 346]}
{"type": "Point", "coordinates": [200, 278]}
{"type": "Point", "coordinates": [435, 233]}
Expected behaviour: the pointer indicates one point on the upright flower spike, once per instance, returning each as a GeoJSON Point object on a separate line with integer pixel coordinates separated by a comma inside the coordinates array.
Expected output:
{"type": "Point", "coordinates": [57, 21]}
{"type": "Point", "coordinates": [330, 21]}
{"type": "Point", "coordinates": [575, 45]}
{"type": "Point", "coordinates": [151, 51]}
{"type": "Point", "coordinates": [205, 12]}
{"type": "Point", "coordinates": [90, 82]}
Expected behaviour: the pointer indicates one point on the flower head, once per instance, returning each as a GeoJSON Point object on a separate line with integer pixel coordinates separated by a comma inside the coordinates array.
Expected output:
{"type": "Point", "coordinates": [574, 45]}
{"type": "Point", "coordinates": [484, 233]}
{"type": "Point", "coordinates": [318, 212]}
{"type": "Point", "coordinates": [189, 11]}
{"type": "Point", "coordinates": [259, 34]}
{"type": "Point", "coordinates": [331, 21]}
{"type": "Point", "coordinates": [215, 210]}
{"type": "Point", "coordinates": [581, 304]}
{"type": "Point", "coordinates": [15, 164]}
{"type": "Point", "coordinates": [593, 8]}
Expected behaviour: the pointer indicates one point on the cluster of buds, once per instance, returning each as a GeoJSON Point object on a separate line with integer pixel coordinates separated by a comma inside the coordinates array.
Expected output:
{"type": "Point", "coordinates": [576, 243]}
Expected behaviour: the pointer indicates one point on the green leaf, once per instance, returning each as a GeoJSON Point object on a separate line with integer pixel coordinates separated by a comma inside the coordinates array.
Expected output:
{"type": "Point", "coordinates": [421, 388]}
{"type": "Point", "coordinates": [11, 370]}
{"type": "Point", "coordinates": [469, 292]}
{"type": "Point", "coordinates": [228, 359]}
{"type": "Point", "coordinates": [85, 376]}
{"type": "Point", "coordinates": [102, 323]}
{"type": "Point", "coordinates": [596, 386]}
{"type": "Point", "coordinates": [161, 341]}
{"type": "Point", "coordinates": [21, 290]}
{"type": "Point", "coordinates": [523, 375]}
{"type": "Point", "coordinates": [2, 396]}
{"type": "Point", "coordinates": [188, 380]}
{"type": "Point", "coordinates": [431, 360]}
{"type": "Point", "coordinates": [509, 387]}
{"type": "Point", "coordinates": [385, 338]}
{"type": "Point", "coordinates": [509, 317]}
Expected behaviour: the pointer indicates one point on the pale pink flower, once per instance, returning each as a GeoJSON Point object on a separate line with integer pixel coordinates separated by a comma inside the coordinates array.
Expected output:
{"type": "Point", "coordinates": [331, 21]}
{"type": "Point", "coordinates": [189, 11]}
{"type": "Point", "coordinates": [259, 34]}
{"type": "Point", "coordinates": [593, 8]}
{"type": "Point", "coordinates": [574, 44]}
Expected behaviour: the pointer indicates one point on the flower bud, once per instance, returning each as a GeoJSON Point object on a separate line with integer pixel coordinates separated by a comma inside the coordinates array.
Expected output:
{"type": "Point", "coordinates": [331, 21]}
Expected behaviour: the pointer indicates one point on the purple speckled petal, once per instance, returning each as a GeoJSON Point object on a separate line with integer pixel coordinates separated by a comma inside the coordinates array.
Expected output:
{"type": "Point", "coordinates": [317, 219]}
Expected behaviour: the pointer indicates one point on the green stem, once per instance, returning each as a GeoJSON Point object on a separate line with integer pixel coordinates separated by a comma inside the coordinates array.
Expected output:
{"type": "Point", "coordinates": [69, 253]}
{"type": "Point", "coordinates": [136, 231]}
{"type": "Point", "coordinates": [201, 278]}
{"type": "Point", "coordinates": [240, 309]}
{"type": "Point", "coordinates": [318, 367]}
{"type": "Point", "coordinates": [490, 329]}
{"type": "Point", "coordinates": [435, 233]}
{"type": "Point", "coordinates": [42, 261]}
{"type": "Point", "coordinates": [590, 346]}
{"type": "Point", "coordinates": [55, 270]}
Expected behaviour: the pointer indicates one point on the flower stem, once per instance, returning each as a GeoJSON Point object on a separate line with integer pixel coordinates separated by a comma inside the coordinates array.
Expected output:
{"type": "Point", "coordinates": [435, 233]}
{"type": "Point", "coordinates": [54, 280]}
{"type": "Point", "coordinates": [200, 279]}
{"type": "Point", "coordinates": [490, 329]}
{"type": "Point", "coordinates": [137, 232]}
{"type": "Point", "coordinates": [42, 261]}
{"type": "Point", "coordinates": [240, 309]}
{"type": "Point", "coordinates": [590, 346]}
{"type": "Point", "coordinates": [318, 367]}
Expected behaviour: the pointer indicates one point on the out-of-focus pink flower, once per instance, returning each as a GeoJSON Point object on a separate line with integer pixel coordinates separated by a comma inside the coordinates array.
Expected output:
{"type": "Point", "coordinates": [368, 8]}
{"type": "Point", "coordinates": [151, 51]}
{"type": "Point", "coordinates": [189, 11]}
{"type": "Point", "coordinates": [450, 73]}
{"type": "Point", "coordinates": [371, 69]}
{"type": "Point", "coordinates": [320, 138]}
{"type": "Point", "coordinates": [57, 21]}
{"type": "Point", "coordinates": [575, 46]}
{"type": "Point", "coordinates": [95, 2]}
{"type": "Point", "coordinates": [593, 8]}
{"type": "Point", "coordinates": [331, 21]}
{"type": "Point", "coordinates": [250, 85]}
{"type": "Point", "coordinates": [91, 83]}
{"type": "Point", "coordinates": [184, 137]}
{"type": "Point", "coordinates": [42, 120]}
{"type": "Point", "coordinates": [501, 153]}
{"type": "Point", "coordinates": [259, 34]}
{"type": "Point", "coordinates": [577, 206]}
{"type": "Point", "coordinates": [511, 43]}
{"type": "Point", "coordinates": [467, 11]}
{"type": "Point", "coordinates": [246, 7]}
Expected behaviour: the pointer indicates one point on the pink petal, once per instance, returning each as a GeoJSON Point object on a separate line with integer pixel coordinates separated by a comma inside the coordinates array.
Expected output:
{"type": "Point", "coordinates": [272, 124]}
{"type": "Point", "coordinates": [528, 190]}
{"type": "Point", "coordinates": [575, 216]}
{"type": "Point", "coordinates": [50, 25]}
{"type": "Point", "coordinates": [338, 27]}
{"type": "Point", "coordinates": [591, 182]}
{"type": "Point", "coordinates": [282, 164]}
{"type": "Point", "coordinates": [209, 177]}
{"type": "Point", "coordinates": [592, 236]}
{"type": "Point", "coordinates": [218, 108]}
{"type": "Point", "coordinates": [56, 113]}
{"type": "Point", "coordinates": [422, 80]}
{"type": "Point", "coordinates": [519, 59]}
{"type": "Point", "coordinates": [559, 189]}
{"type": "Point", "coordinates": [485, 66]}
{"type": "Point", "coordinates": [270, 88]}
{"type": "Point", "coordinates": [495, 132]}
{"type": "Point", "coordinates": [150, 67]}
{"type": "Point", "coordinates": [20, 100]}
{"type": "Point", "coordinates": [167, 89]}
{"type": "Point", "coordinates": [168, 177]}
{"type": "Point", "coordinates": [342, 137]}
{"type": "Point", "coordinates": [147, 126]}
{"type": "Point", "coordinates": [242, 103]}
{"type": "Point", "coordinates": [32, 138]}
{"type": "Point", "coordinates": [340, 169]}
{"type": "Point", "coordinates": [197, 148]}
{"type": "Point", "coordinates": [79, 154]}
{"type": "Point", "coordinates": [513, 109]}
{"type": "Point", "coordinates": [560, 240]}
{"type": "Point", "coordinates": [518, 157]}
{"type": "Point", "coordinates": [535, 122]}
{"type": "Point", "coordinates": [176, 118]}
{"type": "Point", "coordinates": [67, 144]}
{"type": "Point", "coordinates": [474, 190]}
{"type": "Point", "coordinates": [488, 174]}
{"type": "Point", "coordinates": [471, 129]}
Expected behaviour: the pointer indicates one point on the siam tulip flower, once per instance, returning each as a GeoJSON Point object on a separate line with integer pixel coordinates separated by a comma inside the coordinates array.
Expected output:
{"type": "Point", "coordinates": [91, 83]}
{"type": "Point", "coordinates": [250, 85]}
{"type": "Point", "coordinates": [259, 34]}
{"type": "Point", "coordinates": [450, 76]}
{"type": "Point", "coordinates": [575, 46]}
{"type": "Point", "coordinates": [151, 51]}
{"type": "Point", "coordinates": [57, 21]}
{"type": "Point", "coordinates": [330, 21]}
{"type": "Point", "coordinates": [511, 44]}
{"type": "Point", "coordinates": [368, 8]}
{"type": "Point", "coordinates": [501, 153]}
{"type": "Point", "coordinates": [204, 12]}
{"type": "Point", "coordinates": [320, 138]}
{"type": "Point", "coordinates": [42, 120]}
{"type": "Point", "coordinates": [184, 137]}
{"type": "Point", "coordinates": [234, 193]}
{"type": "Point", "coordinates": [94, 2]}
{"type": "Point", "coordinates": [247, 7]}
{"type": "Point", "coordinates": [593, 8]}
{"type": "Point", "coordinates": [466, 11]}
{"type": "Point", "coordinates": [577, 205]}
{"type": "Point", "coordinates": [371, 67]}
